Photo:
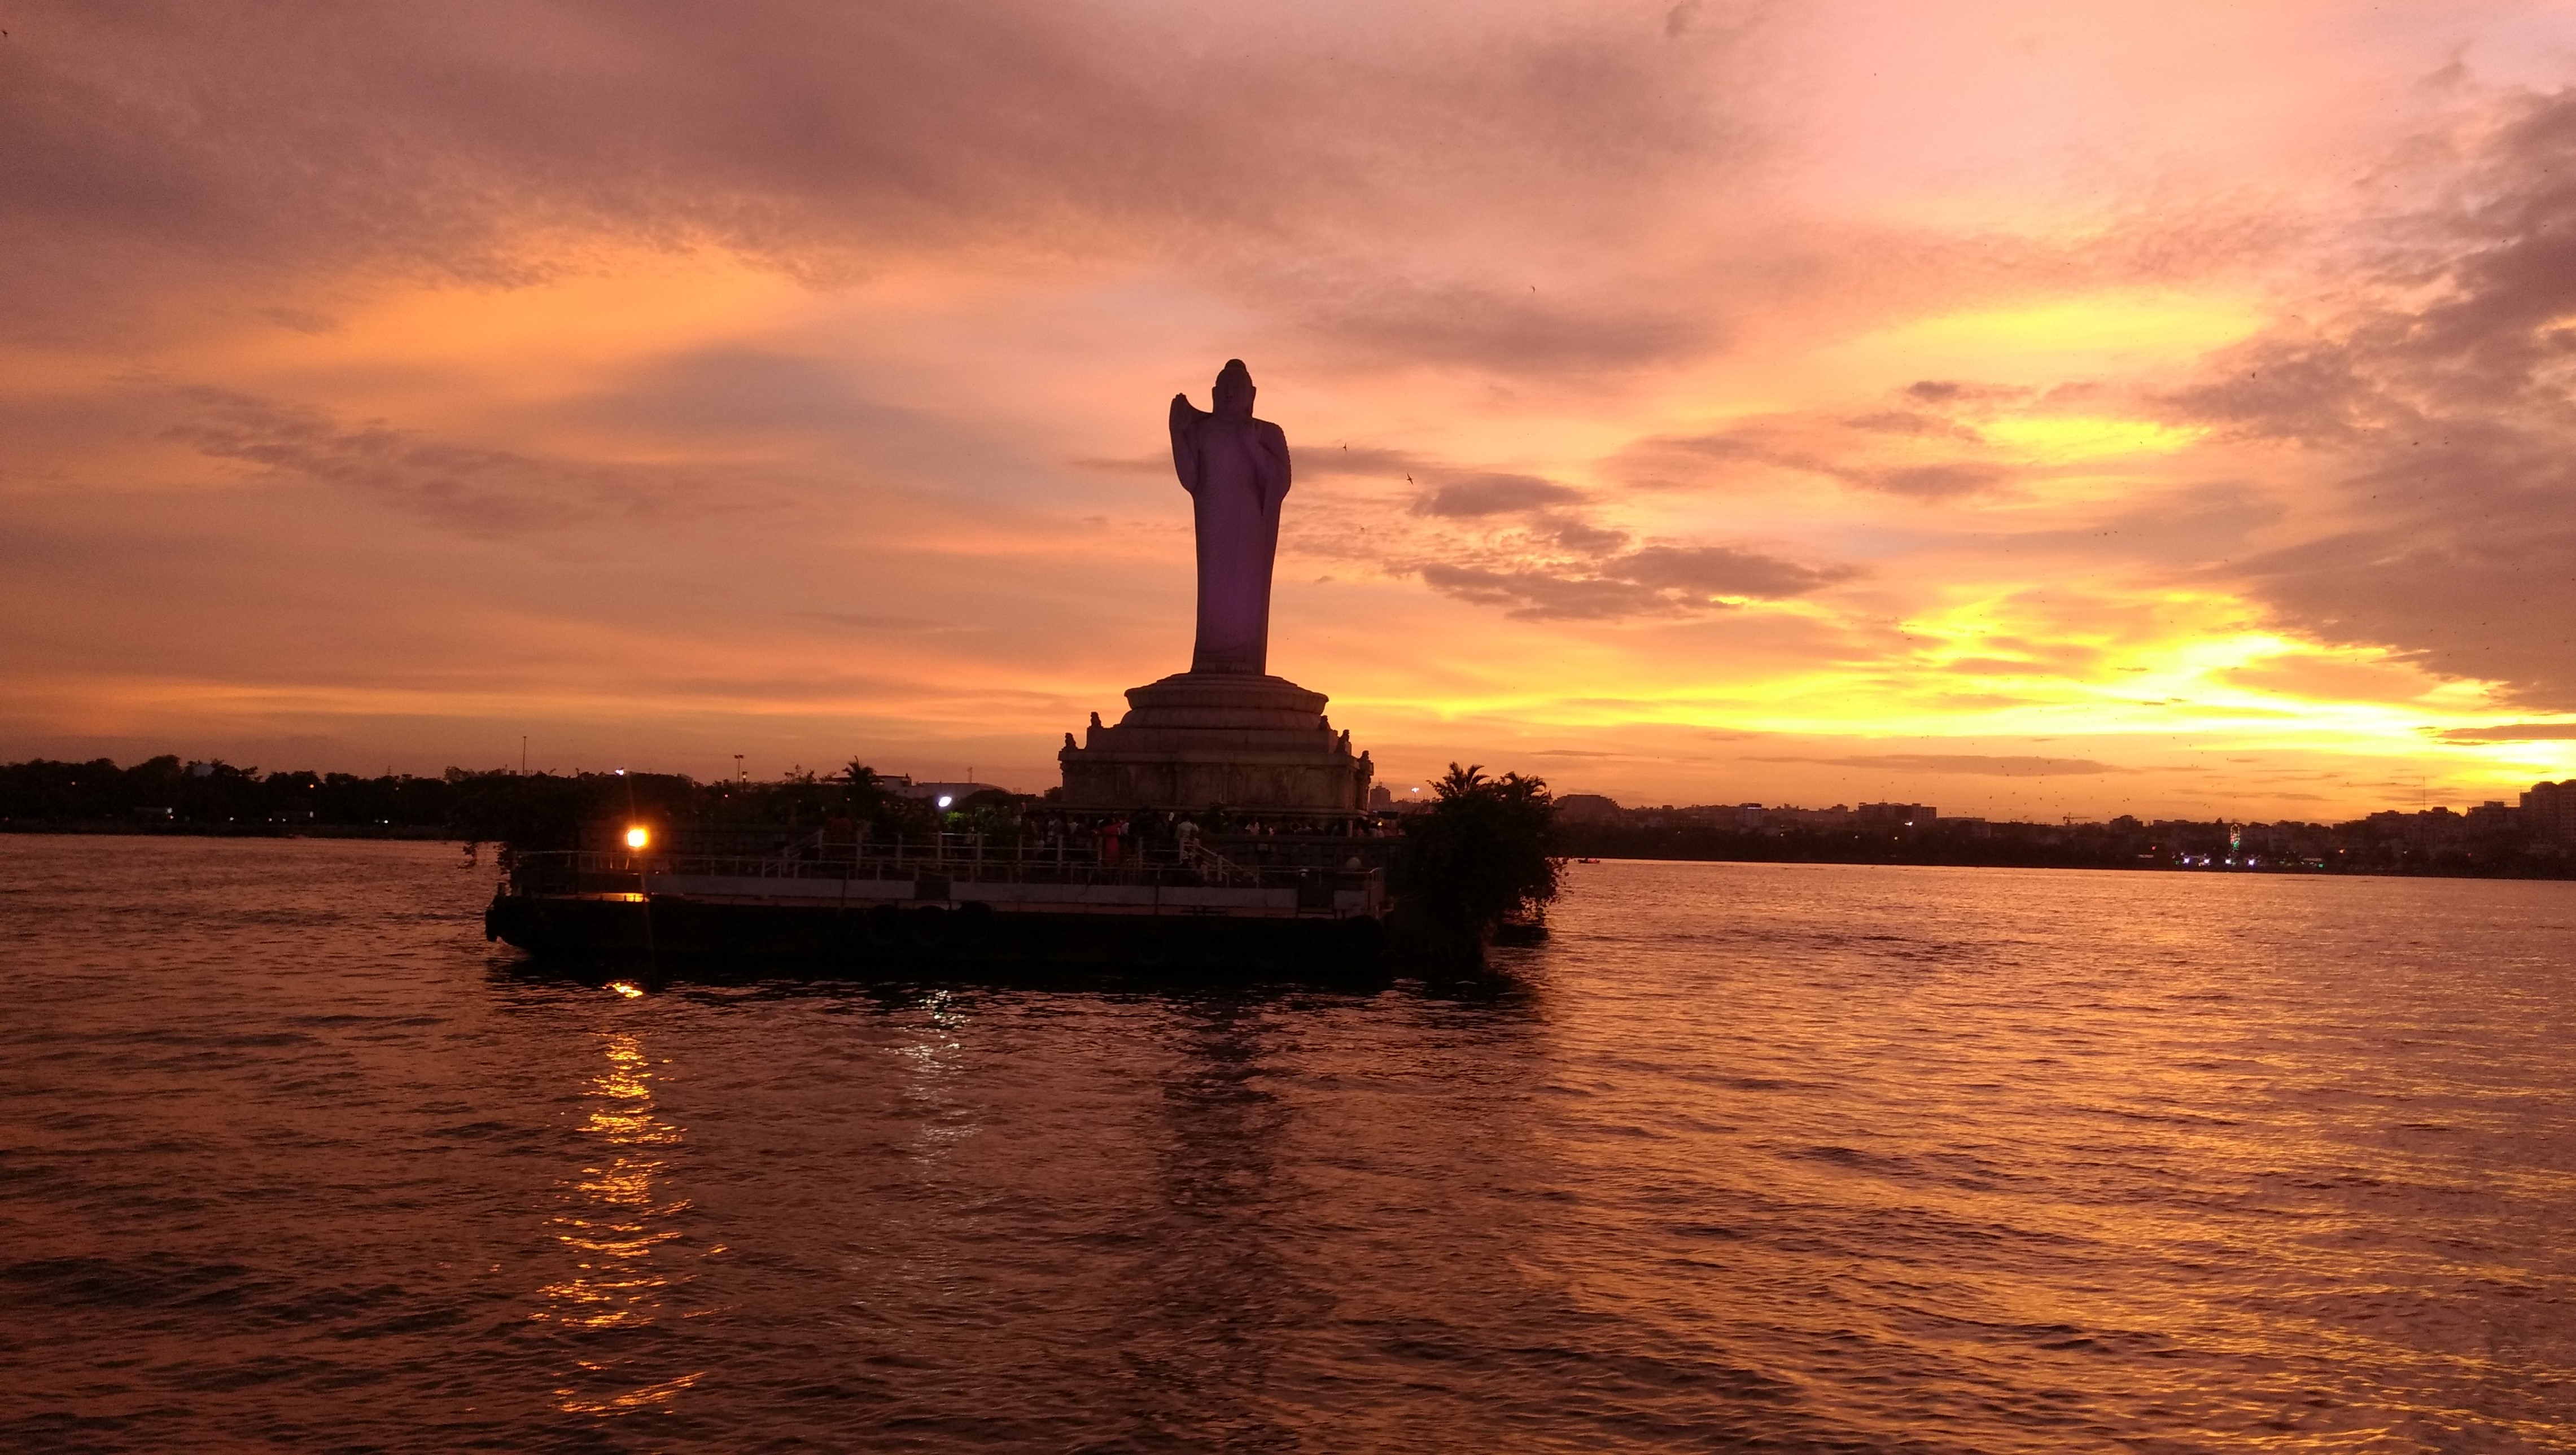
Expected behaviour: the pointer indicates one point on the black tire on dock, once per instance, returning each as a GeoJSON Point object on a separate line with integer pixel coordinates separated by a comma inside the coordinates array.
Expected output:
{"type": "Point", "coordinates": [885, 928]}
{"type": "Point", "coordinates": [1152, 946]}
{"type": "Point", "coordinates": [1267, 943]}
{"type": "Point", "coordinates": [1362, 939]}
{"type": "Point", "coordinates": [976, 927]}
{"type": "Point", "coordinates": [1202, 943]}
{"type": "Point", "coordinates": [929, 929]}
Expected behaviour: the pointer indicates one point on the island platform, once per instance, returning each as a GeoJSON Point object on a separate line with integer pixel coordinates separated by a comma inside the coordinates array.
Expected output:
{"type": "Point", "coordinates": [1260, 904]}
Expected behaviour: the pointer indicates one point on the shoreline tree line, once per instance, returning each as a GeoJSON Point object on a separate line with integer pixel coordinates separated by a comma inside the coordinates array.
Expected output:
{"type": "Point", "coordinates": [1485, 852]}
{"type": "Point", "coordinates": [168, 795]}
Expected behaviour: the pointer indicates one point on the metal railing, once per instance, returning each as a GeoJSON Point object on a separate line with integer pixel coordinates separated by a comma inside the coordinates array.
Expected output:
{"type": "Point", "coordinates": [959, 858]}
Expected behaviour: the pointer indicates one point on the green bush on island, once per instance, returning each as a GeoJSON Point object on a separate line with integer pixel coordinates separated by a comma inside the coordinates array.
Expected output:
{"type": "Point", "coordinates": [1485, 852]}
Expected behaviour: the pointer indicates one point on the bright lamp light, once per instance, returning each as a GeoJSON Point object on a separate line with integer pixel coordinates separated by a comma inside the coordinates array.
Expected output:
{"type": "Point", "coordinates": [637, 838]}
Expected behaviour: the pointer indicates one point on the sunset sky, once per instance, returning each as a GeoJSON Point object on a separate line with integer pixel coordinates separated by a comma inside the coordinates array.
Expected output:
{"type": "Point", "coordinates": [2029, 409]}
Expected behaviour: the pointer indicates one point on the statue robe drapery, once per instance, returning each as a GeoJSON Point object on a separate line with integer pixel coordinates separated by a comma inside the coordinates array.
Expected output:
{"type": "Point", "coordinates": [1236, 470]}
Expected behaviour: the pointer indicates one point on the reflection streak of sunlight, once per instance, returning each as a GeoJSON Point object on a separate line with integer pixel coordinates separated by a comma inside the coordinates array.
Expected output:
{"type": "Point", "coordinates": [938, 1062]}
{"type": "Point", "coordinates": [613, 1226]}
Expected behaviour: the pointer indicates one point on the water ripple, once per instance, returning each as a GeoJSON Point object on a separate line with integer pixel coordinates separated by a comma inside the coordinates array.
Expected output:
{"type": "Point", "coordinates": [1747, 1157]}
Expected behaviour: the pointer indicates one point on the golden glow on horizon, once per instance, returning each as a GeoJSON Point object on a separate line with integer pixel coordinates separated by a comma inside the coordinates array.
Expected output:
{"type": "Point", "coordinates": [1993, 668]}
{"type": "Point", "coordinates": [2055, 440]}
{"type": "Point", "coordinates": [2098, 323]}
{"type": "Point", "coordinates": [2043, 341]}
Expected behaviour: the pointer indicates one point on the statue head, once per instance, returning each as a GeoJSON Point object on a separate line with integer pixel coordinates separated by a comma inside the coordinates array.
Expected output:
{"type": "Point", "coordinates": [1232, 395]}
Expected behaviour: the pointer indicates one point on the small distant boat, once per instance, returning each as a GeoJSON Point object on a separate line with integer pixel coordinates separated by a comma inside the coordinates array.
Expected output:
{"type": "Point", "coordinates": [1587, 861]}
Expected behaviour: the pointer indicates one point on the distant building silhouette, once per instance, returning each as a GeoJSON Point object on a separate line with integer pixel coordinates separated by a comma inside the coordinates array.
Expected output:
{"type": "Point", "coordinates": [2549, 812]}
{"type": "Point", "coordinates": [1385, 800]}
{"type": "Point", "coordinates": [1894, 815]}
{"type": "Point", "coordinates": [1586, 808]}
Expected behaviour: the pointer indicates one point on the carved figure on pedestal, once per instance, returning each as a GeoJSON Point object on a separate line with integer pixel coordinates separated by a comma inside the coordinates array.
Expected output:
{"type": "Point", "coordinates": [1236, 470]}
{"type": "Point", "coordinates": [1225, 731]}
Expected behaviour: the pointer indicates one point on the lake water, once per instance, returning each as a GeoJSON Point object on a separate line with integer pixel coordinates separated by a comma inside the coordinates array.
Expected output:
{"type": "Point", "coordinates": [1779, 1157]}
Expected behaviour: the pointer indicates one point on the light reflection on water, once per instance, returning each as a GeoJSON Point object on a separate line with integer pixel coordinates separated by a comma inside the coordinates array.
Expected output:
{"type": "Point", "coordinates": [1748, 1156]}
{"type": "Point", "coordinates": [934, 1059]}
{"type": "Point", "coordinates": [615, 1228]}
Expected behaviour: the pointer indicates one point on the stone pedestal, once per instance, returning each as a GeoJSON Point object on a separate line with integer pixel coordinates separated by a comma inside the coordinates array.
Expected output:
{"type": "Point", "coordinates": [1198, 740]}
